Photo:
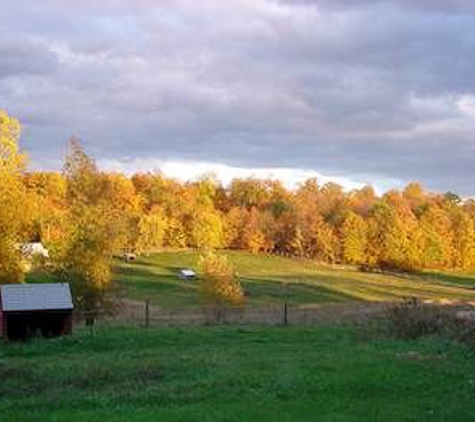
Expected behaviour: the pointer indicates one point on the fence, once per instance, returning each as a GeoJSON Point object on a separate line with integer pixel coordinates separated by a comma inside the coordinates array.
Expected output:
{"type": "Point", "coordinates": [145, 315]}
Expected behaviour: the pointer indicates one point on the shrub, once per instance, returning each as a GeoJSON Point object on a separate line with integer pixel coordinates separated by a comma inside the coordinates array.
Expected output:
{"type": "Point", "coordinates": [464, 331]}
{"type": "Point", "coordinates": [411, 320]}
{"type": "Point", "coordinates": [219, 284]}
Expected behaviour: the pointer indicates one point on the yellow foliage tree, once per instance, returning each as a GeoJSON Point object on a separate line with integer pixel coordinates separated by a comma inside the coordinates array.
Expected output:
{"type": "Point", "coordinates": [86, 259]}
{"type": "Point", "coordinates": [257, 242]}
{"type": "Point", "coordinates": [87, 252]}
{"type": "Point", "coordinates": [175, 234]}
{"type": "Point", "coordinates": [152, 229]}
{"type": "Point", "coordinates": [219, 285]}
{"type": "Point", "coordinates": [354, 239]}
{"type": "Point", "coordinates": [13, 199]}
{"type": "Point", "coordinates": [207, 229]}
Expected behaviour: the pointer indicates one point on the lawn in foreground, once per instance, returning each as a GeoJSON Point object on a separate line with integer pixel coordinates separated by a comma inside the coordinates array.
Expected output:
{"type": "Point", "coordinates": [234, 374]}
{"type": "Point", "coordinates": [268, 279]}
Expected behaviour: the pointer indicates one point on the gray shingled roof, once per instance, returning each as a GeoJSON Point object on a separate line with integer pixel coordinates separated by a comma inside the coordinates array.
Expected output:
{"type": "Point", "coordinates": [36, 297]}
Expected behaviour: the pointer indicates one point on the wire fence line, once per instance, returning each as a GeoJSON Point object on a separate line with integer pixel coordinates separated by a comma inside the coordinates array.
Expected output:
{"type": "Point", "coordinates": [285, 314]}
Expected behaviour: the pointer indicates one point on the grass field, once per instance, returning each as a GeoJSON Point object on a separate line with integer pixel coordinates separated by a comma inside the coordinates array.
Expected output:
{"type": "Point", "coordinates": [234, 374]}
{"type": "Point", "coordinates": [267, 279]}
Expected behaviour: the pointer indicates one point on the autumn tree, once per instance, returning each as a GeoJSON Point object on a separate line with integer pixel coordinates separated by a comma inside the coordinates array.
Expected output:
{"type": "Point", "coordinates": [361, 201]}
{"type": "Point", "coordinates": [354, 239]}
{"type": "Point", "coordinates": [248, 192]}
{"type": "Point", "coordinates": [234, 223]}
{"type": "Point", "coordinates": [13, 200]}
{"type": "Point", "coordinates": [84, 216]}
{"type": "Point", "coordinates": [439, 243]}
{"type": "Point", "coordinates": [85, 259]}
{"type": "Point", "coordinates": [394, 241]}
{"type": "Point", "coordinates": [125, 210]}
{"type": "Point", "coordinates": [46, 193]}
{"type": "Point", "coordinates": [207, 187]}
{"type": "Point", "coordinates": [219, 284]}
{"type": "Point", "coordinates": [464, 239]}
{"type": "Point", "coordinates": [175, 235]}
{"type": "Point", "coordinates": [319, 239]}
{"type": "Point", "coordinates": [152, 229]}
{"type": "Point", "coordinates": [207, 229]}
{"type": "Point", "coordinates": [253, 237]}
{"type": "Point", "coordinates": [415, 197]}
{"type": "Point", "coordinates": [279, 198]}
{"type": "Point", "coordinates": [331, 201]}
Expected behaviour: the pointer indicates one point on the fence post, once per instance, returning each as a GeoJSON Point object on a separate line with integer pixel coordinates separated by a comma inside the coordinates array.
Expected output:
{"type": "Point", "coordinates": [147, 313]}
{"type": "Point", "coordinates": [286, 316]}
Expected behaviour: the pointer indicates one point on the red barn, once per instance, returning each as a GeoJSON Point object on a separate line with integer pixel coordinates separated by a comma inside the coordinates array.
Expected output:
{"type": "Point", "coordinates": [35, 309]}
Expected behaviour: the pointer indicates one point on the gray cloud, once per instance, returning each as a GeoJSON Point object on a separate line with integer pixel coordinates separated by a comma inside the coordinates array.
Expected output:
{"type": "Point", "coordinates": [20, 57]}
{"type": "Point", "coordinates": [375, 91]}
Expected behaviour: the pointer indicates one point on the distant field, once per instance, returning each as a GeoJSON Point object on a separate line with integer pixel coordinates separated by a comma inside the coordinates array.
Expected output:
{"type": "Point", "coordinates": [268, 279]}
{"type": "Point", "coordinates": [229, 373]}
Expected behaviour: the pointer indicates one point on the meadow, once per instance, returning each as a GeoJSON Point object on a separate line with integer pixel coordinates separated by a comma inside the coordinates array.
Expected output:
{"type": "Point", "coordinates": [269, 280]}
{"type": "Point", "coordinates": [229, 373]}
{"type": "Point", "coordinates": [328, 372]}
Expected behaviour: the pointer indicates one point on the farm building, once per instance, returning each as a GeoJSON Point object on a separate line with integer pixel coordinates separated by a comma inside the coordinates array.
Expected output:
{"type": "Point", "coordinates": [35, 309]}
{"type": "Point", "coordinates": [30, 250]}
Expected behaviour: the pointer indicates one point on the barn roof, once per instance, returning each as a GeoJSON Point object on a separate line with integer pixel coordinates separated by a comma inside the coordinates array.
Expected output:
{"type": "Point", "coordinates": [36, 297]}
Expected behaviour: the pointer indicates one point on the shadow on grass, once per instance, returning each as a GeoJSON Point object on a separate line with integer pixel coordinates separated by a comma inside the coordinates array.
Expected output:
{"type": "Point", "coordinates": [165, 290]}
{"type": "Point", "coordinates": [466, 281]}
{"type": "Point", "coordinates": [141, 280]}
{"type": "Point", "coordinates": [139, 271]}
{"type": "Point", "coordinates": [163, 283]}
{"type": "Point", "coordinates": [292, 292]}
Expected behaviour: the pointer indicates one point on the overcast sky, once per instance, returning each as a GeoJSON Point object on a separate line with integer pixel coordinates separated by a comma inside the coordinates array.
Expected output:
{"type": "Point", "coordinates": [365, 91]}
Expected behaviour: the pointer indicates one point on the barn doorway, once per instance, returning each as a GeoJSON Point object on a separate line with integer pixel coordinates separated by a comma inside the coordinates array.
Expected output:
{"type": "Point", "coordinates": [24, 325]}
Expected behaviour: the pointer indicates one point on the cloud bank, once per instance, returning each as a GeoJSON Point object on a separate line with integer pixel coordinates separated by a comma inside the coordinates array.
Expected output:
{"type": "Point", "coordinates": [369, 91]}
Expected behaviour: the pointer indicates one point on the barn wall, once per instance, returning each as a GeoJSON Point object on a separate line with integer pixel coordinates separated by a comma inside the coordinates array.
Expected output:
{"type": "Point", "coordinates": [2, 326]}
{"type": "Point", "coordinates": [68, 324]}
{"type": "Point", "coordinates": [21, 325]}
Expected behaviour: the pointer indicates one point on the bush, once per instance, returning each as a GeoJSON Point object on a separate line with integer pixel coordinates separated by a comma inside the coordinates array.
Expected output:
{"type": "Point", "coordinates": [411, 320]}
{"type": "Point", "coordinates": [219, 284]}
{"type": "Point", "coordinates": [464, 331]}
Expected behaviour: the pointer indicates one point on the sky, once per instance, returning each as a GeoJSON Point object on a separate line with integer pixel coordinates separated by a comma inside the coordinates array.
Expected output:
{"type": "Point", "coordinates": [369, 91]}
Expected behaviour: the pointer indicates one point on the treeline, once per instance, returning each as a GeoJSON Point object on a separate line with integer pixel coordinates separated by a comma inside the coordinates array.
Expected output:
{"type": "Point", "coordinates": [409, 229]}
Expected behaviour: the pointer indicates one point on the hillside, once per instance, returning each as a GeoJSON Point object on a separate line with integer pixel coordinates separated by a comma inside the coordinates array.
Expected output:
{"type": "Point", "coordinates": [268, 279]}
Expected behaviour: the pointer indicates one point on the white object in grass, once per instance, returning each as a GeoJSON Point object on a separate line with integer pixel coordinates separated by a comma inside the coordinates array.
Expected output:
{"type": "Point", "coordinates": [186, 274]}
